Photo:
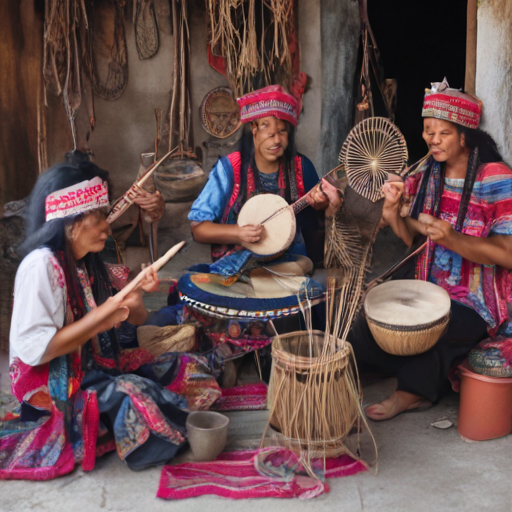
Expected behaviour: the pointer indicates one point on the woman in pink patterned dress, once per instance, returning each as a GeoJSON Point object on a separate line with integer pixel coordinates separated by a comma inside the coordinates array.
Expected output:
{"type": "Point", "coordinates": [460, 197]}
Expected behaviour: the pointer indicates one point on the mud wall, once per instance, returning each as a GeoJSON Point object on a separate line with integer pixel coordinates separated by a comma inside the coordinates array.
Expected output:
{"type": "Point", "coordinates": [494, 71]}
{"type": "Point", "coordinates": [21, 37]}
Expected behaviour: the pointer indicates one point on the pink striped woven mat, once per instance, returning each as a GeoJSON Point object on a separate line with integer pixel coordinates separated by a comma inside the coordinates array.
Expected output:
{"type": "Point", "coordinates": [273, 472]}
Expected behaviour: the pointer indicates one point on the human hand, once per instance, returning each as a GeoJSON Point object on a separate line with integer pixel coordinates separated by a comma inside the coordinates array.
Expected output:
{"type": "Point", "coordinates": [150, 283]}
{"type": "Point", "coordinates": [133, 301]}
{"type": "Point", "coordinates": [249, 233]}
{"type": "Point", "coordinates": [439, 231]}
{"type": "Point", "coordinates": [392, 192]}
{"type": "Point", "coordinates": [317, 198]}
{"type": "Point", "coordinates": [152, 203]}
{"type": "Point", "coordinates": [110, 314]}
{"type": "Point", "coordinates": [334, 196]}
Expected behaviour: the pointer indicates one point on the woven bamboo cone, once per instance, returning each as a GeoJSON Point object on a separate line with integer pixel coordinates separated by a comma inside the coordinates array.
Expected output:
{"type": "Point", "coordinates": [313, 400]}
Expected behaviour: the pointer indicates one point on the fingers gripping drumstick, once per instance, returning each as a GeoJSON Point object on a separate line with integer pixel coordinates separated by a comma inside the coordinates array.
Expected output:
{"type": "Point", "coordinates": [156, 266]}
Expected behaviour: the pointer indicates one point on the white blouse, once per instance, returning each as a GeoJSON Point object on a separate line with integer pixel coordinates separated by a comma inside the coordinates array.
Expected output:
{"type": "Point", "coordinates": [39, 306]}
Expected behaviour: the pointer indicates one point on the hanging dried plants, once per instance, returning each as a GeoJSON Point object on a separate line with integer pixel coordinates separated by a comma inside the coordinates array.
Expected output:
{"type": "Point", "coordinates": [252, 37]}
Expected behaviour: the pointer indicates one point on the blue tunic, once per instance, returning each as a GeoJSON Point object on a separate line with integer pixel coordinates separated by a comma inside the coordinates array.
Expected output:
{"type": "Point", "coordinates": [212, 202]}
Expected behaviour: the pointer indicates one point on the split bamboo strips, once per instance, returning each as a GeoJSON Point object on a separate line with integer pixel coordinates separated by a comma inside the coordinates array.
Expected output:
{"type": "Point", "coordinates": [313, 393]}
{"type": "Point", "coordinates": [374, 148]}
{"type": "Point", "coordinates": [234, 27]}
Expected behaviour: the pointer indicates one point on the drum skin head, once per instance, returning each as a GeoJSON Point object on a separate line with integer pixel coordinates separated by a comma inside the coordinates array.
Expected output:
{"type": "Point", "coordinates": [407, 302]}
{"type": "Point", "coordinates": [279, 231]}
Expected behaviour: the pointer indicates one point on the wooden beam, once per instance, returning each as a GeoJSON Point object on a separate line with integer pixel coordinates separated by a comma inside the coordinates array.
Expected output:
{"type": "Point", "coordinates": [471, 37]}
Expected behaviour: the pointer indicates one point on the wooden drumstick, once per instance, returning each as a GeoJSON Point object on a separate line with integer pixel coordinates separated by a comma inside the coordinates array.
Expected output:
{"type": "Point", "coordinates": [156, 266]}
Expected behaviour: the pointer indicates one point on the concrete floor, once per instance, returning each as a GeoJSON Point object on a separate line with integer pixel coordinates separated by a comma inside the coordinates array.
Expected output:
{"type": "Point", "coordinates": [421, 469]}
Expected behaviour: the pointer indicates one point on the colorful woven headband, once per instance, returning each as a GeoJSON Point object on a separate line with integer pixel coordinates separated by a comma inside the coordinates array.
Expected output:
{"type": "Point", "coordinates": [79, 198]}
{"type": "Point", "coordinates": [452, 105]}
{"type": "Point", "coordinates": [269, 101]}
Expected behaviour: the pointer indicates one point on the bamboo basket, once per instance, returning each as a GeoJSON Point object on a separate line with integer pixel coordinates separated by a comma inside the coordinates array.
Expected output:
{"type": "Point", "coordinates": [407, 340]}
{"type": "Point", "coordinates": [313, 394]}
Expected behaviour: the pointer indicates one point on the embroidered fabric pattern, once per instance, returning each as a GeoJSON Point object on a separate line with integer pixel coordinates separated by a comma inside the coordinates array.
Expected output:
{"type": "Point", "coordinates": [57, 424]}
{"type": "Point", "coordinates": [452, 105]}
{"type": "Point", "coordinates": [80, 198]}
{"type": "Point", "coordinates": [279, 109]}
{"type": "Point", "coordinates": [269, 101]}
{"type": "Point", "coordinates": [249, 397]}
{"type": "Point", "coordinates": [195, 381]}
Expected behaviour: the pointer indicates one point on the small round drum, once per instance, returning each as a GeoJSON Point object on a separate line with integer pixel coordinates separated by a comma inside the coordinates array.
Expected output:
{"type": "Point", "coordinates": [407, 317]}
{"type": "Point", "coordinates": [279, 229]}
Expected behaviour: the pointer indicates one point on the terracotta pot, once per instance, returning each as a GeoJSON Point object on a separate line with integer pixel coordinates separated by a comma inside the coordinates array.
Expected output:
{"type": "Point", "coordinates": [485, 410]}
{"type": "Point", "coordinates": [207, 434]}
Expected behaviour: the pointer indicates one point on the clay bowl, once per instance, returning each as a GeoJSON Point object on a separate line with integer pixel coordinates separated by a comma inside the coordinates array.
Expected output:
{"type": "Point", "coordinates": [207, 434]}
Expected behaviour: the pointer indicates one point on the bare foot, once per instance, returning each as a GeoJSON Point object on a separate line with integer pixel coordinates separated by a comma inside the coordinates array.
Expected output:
{"type": "Point", "coordinates": [398, 402]}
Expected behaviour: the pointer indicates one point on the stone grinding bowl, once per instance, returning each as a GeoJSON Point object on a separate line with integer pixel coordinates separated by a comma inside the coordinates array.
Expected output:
{"type": "Point", "coordinates": [207, 434]}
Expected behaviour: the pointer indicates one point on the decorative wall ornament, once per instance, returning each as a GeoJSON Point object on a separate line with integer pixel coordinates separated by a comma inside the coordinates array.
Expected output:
{"type": "Point", "coordinates": [219, 112]}
{"type": "Point", "coordinates": [146, 28]}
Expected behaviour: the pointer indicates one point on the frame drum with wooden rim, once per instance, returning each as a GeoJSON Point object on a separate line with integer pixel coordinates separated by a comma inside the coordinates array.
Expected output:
{"type": "Point", "coordinates": [407, 317]}
{"type": "Point", "coordinates": [278, 219]}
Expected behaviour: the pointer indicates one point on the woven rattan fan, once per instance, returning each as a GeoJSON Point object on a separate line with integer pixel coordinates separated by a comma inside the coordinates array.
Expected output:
{"type": "Point", "coordinates": [374, 148]}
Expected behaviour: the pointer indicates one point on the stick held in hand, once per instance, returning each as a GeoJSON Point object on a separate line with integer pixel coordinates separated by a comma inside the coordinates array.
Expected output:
{"type": "Point", "coordinates": [156, 266]}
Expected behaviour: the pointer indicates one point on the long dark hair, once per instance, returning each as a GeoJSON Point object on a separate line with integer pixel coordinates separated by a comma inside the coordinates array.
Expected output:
{"type": "Point", "coordinates": [476, 138]}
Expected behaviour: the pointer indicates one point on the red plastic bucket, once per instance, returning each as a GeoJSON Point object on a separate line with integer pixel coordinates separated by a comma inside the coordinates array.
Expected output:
{"type": "Point", "coordinates": [485, 410]}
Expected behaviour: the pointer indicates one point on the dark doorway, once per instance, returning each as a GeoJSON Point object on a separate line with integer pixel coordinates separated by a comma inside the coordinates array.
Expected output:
{"type": "Point", "coordinates": [420, 43]}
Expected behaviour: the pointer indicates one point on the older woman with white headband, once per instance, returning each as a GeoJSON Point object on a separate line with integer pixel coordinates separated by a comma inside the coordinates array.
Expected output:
{"type": "Point", "coordinates": [76, 391]}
